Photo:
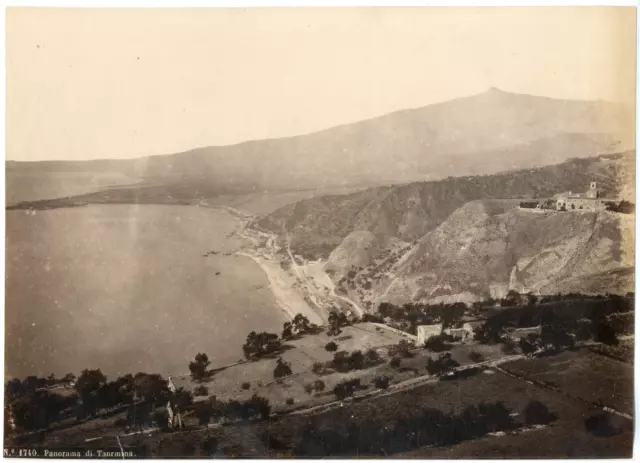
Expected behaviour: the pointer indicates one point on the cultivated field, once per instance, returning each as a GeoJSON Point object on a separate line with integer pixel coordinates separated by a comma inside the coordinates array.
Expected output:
{"type": "Point", "coordinates": [583, 374]}
{"type": "Point", "coordinates": [301, 353]}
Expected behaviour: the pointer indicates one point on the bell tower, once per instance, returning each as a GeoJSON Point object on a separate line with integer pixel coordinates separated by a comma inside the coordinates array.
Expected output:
{"type": "Point", "coordinates": [592, 192]}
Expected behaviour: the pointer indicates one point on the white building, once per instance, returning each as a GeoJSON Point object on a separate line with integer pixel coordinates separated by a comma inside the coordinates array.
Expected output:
{"type": "Point", "coordinates": [427, 331]}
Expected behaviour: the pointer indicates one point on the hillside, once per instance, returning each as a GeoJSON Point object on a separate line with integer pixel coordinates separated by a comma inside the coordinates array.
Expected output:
{"type": "Point", "coordinates": [488, 247]}
{"type": "Point", "coordinates": [407, 212]}
{"type": "Point", "coordinates": [482, 134]}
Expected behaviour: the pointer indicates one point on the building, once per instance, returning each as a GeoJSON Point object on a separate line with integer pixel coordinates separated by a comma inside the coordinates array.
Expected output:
{"type": "Point", "coordinates": [427, 331]}
{"type": "Point", "coordinates": [591, 200]}
{"type": "Point", "coordinates": [465, 333]}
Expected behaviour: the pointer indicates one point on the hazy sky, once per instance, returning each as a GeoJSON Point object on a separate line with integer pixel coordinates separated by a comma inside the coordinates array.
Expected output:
{"type": "Point", "coordinates": [116, 83]}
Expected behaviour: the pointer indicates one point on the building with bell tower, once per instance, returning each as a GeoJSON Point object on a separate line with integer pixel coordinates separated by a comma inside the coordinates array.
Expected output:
{"type": "Point", "coordinates": [592, 192]}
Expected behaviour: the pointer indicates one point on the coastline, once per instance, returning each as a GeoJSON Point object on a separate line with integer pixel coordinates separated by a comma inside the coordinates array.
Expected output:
{"type": "Point", "coordinates": [281, 285]}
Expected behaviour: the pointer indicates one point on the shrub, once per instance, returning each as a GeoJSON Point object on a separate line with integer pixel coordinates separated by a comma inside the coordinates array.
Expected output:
{"type": "Point", "coordinates": [381, 382]}
{"type": "Point", "coordinates": [319, 385]}
{"type": "Point", "coordinates": [346, 388]}
{"type": "Point", "coordinates": [317, 368]}
{"type": "Point", "coordinates": [401, 349]}
{"type": "Point", "coordinates": [371, 357]}
{"type": "Point", "coordinates": [442, 365]}
{"type": "Point", "coordinates": [509, 347]}
{"type": "Point", "coordinates": [161, 418]}
{"type": "Point", "coordinates": [282, 369]}
{"type": "Point", "coordinates": [527, 345]}
{"type": "Point", "coordinates": [290, 401]}
{"type": "Point", "coordinates": [201, 391]}
{"type": "Point", "coordinates": [246, 385]}
{"type": "Point", "coordinates": [331, 347]}
{"type": "Point", "coordinates": [476, 356]}
{"type": "Point", "coordinates": [372, 318]}
{"type": "Point", "coordinates": [537, 413]}
{"type": "Point", "coordinates": [395, 362]}
{"type": "Point", "coordinates": [356, 360]}
{"type": "Point", "coordinates": [437, 343]}
{"type": "Point", "coordinates": [210, 446]}
{"type": "Point", "coordinates": [602, 425]}
{"type": "Point", "coordinates": [308, 388]}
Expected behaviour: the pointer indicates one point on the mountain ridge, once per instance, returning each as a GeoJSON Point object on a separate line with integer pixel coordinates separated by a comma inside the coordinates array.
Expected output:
{"type": "Point", "coordinates": [428, 142]}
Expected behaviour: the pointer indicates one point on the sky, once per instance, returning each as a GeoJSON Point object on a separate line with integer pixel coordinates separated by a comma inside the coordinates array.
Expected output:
{"type": "Point", "coordinates": [122, 83]}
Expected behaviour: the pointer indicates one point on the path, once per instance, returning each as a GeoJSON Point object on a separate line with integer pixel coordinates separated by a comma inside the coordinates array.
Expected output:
{"type": "Point", "coordinates": [301, 275]}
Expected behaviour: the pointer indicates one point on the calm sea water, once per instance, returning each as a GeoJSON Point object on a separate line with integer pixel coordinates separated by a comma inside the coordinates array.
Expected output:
{"type": "Point", "coordinates": [125, 288]}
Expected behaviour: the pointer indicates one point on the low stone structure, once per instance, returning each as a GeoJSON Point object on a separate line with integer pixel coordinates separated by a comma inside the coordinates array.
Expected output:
{"type": "Point", "coordinates": [464, 333]}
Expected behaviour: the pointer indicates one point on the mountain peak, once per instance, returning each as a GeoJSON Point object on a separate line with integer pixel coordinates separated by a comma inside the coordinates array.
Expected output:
{"type": "Point", "coordinates": [495, 90]}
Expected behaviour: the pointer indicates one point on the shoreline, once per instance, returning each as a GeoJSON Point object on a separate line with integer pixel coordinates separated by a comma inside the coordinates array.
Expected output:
{"type": "Point", "coordinates": [286, 297]}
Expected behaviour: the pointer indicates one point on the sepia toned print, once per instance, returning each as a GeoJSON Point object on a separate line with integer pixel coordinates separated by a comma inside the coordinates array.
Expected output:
{"type": "Point", "coordinates": [320, 232]}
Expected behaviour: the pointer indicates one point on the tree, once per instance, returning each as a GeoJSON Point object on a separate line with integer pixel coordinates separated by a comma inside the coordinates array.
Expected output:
{"type": "Point", "coordinates": [356, 360]}
{"type": "Point", "coordinates": [259, 406]}
{"type": "Point", "coordinates": [198, 368]}
{"type": "Point", "coordinates": [287, 330]}
{"type": "Point", "coordinates": [319, 385]}
{"type": "Point", "coordinates": [371, 357]}
{"type": "Point", "coordinates": [604, 332]}
{"type": "Point", "coordinates": [89, 382]}
{"type": "Point", "coordinates": [556, 335]}
{"type": "Point", "coordinates": [509, 346]}
{"type": "Point", "coordinates": [336, 321]}
{"type": "Point", "coordinates": [87, 387]}
{"type": "Point", "coordinates": [452, 315]}
{"type": "Point", "coordinates": [110, 395]}
{"type": "Point", "coordinates": [201, 391]}
{"type": "Point", "coordinates": [476, 356]}
{"type": "Point", "coordinates": [260, 344]}
{"type": "Point", "coordinates": [527, 347]}
{"type": "Point", "coordinates": [282, 369]}
{"type": "Point", "coordinates": [341, 361]}
{"type": "Point", "coordinates": [437, 343]}
{"type": "Point", "coordinates": [442, 365]}
{"type": "Point", "coordinates": [491, 332]}
{"type": "Point", "coordinates": [308, 388]}
{"type": "Point", "coordinates": [203, 411]}
{"type": "Point", "coordinates": [395, 362]}
{"type": "Point", "coordinates": [331, 347]}
{"type": "Point", "coordinates": [151, 387]}
{"type": "Point", "coordinates": [537, 413]}
{"type": "Point", "coordinates": [69, 379]}
{"type": "Point", "coordinates": [402, 349]}
{"type": "Point", "coordinates": [301, 324]}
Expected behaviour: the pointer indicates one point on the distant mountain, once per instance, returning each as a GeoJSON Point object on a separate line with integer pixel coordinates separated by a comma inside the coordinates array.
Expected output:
{"type": "Point", "coordinates": [486, 133]}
